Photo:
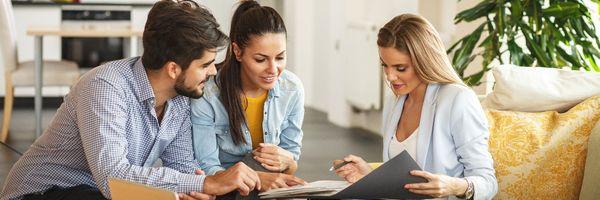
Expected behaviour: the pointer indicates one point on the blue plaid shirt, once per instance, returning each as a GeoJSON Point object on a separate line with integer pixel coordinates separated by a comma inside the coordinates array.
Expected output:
{"type": "Point", "coordinates": [107, 127]}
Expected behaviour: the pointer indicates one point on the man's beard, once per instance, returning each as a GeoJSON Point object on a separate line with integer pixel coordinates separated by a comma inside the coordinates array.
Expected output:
{"type": "Point", "coordinates": [188, 92]}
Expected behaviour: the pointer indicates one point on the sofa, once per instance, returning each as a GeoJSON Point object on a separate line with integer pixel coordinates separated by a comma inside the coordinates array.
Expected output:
{"type": "Point", "coordinates": [545, 132]}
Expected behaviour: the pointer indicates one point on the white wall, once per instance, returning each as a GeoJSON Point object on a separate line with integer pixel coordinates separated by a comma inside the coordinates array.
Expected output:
{"type": "Point", "coordinates": [440, 14]}
{"type": "Point", "coordinates": [298, 17]}
{"type": "Point", "coordinates": [223, 11]}
{"type": "Point", "coordinates": [316, 37]}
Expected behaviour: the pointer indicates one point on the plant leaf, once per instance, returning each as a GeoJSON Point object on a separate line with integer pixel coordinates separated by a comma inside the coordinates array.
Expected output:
{"type": "Point", "coordinates": [461, 56]}
{"type": "Point", "coordinates": [516, 53]}
{"type": "Point", "coordinates": [571, 59]}
{"type": "Point", "coordinates": [557, 33]}
{"type": "Point", "coordinates": [480, 10]}
{"type": "Point", "coordinates": [494, 40]}
{"type": "Point", "coordinates": [563, 9]}
{"type": "Point", "coordinates": [474, 79]}
{"type": "Point", "coordinates": [516, 11]}
{"type": "Point", "coordinates": [534, 48]}
{"type": "Point", "coordinates": [590, 58]}
{"type": "Point", "coordinates": [499, 19]}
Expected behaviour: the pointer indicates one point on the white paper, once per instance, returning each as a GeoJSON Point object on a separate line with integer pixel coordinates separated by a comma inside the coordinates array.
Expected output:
{"type": "Point", "coordinates": [325, 187]}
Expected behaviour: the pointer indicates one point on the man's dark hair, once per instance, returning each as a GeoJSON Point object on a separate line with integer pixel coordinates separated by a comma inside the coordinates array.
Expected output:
{"type": "Point", "coordinates": [179, 31]}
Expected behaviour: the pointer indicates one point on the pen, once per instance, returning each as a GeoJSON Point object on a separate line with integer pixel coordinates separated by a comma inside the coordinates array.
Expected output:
{"type": "Point", "coordinates": [335, 167]}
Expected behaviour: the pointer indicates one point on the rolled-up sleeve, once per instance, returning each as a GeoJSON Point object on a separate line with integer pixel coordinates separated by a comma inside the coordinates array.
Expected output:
{"type": "Point", "coordinates": [102, 117]}
{"type": "Point", "coordinates": [471, 135]}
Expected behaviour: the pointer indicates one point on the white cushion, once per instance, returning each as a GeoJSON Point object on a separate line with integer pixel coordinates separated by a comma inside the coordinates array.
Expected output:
{"type": "Point", "coordinates": [536, 89]}
{"type": "Point", "coordinates": [55, 73]}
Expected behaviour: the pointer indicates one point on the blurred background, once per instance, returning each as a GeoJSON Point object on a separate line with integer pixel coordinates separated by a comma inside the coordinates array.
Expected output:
{"type": "Point", "coordinates": [331, 47]}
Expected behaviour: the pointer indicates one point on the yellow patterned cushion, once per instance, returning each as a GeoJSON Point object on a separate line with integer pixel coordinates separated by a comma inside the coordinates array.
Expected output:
{"type": "Point", "coordinates": [541, 155]}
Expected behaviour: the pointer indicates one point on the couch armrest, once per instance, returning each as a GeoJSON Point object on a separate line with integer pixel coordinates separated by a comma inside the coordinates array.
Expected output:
{"type": "Point", "coordinates": [591, 175]}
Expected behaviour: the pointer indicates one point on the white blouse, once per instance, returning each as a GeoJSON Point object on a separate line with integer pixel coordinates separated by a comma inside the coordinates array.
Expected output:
{"type": "Point", "coordinates": [409, 144]}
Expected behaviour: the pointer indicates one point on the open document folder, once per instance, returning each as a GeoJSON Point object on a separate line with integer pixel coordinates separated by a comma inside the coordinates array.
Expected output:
{"type": "Point", "coordinates": [127, 190]}
{"type": "Point", "coordinates": [385, 182]}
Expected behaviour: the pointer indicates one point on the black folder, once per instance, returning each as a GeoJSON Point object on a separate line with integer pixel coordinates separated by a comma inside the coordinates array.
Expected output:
{"type": "Point", "coordinates": [385, 182]}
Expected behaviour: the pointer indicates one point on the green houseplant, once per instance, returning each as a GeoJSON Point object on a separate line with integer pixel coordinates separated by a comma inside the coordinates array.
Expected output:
{"type": "Point", "coordinates": [546, 33]}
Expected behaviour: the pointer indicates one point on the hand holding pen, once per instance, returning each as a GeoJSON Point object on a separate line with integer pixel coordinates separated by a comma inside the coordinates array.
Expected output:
{"type": "Point", "coordinates": [337, 166]}
{"type": "Point", "coordinates": [351, 168]}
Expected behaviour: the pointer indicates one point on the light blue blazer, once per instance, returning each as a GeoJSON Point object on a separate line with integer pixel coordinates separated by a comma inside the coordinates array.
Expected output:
{"type": "Point", "coordinates": [453, 136]}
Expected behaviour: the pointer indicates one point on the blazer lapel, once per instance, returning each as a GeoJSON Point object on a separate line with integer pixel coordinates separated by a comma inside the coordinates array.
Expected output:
{"type": "Point", "coordinates": [426, 123]}
{"type": "Point", "coordinates": [392, 123]}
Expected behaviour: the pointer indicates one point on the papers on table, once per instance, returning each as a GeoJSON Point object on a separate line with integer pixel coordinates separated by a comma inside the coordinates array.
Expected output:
{"type": "Point", "coordinates": [317, 188]}
{"type": "Point", "coordinates": [385, 182]}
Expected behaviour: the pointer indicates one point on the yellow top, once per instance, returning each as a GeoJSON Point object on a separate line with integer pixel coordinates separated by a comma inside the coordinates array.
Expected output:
{"type": "Point", "coordinates": [254, 118]}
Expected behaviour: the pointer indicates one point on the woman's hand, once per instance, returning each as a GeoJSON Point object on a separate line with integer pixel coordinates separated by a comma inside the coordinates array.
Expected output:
{"type": "Point", "coordinates": [437, 185]}
{"type": "Point", "coordinates": [277, 180]}
{"type": "Point", "coordinates": [353, 171]}
{"type": "Point", "coordinates": [275, 158]}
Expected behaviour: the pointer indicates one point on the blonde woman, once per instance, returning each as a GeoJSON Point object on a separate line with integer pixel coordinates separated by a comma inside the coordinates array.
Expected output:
{"type": "Point", "coordinates": [433, 116]}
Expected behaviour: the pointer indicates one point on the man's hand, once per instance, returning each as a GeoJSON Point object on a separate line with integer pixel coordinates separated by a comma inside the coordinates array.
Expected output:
{"type": "Point", "coordinates": [238, 177]}
{"type": "Point", "coordinates": [278, 180]}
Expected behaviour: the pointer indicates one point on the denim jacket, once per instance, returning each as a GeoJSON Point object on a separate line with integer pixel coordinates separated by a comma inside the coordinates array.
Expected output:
{"type": "Point", "coordinates": [282, 122]}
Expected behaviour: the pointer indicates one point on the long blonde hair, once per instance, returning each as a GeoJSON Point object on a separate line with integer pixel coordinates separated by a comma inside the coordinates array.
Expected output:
{"type": "Point", "coordinates": [415, 36]}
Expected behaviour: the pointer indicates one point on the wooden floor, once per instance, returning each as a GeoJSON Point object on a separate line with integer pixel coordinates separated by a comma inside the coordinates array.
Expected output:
{"type": "Point", "coordinates": [322, 143]}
